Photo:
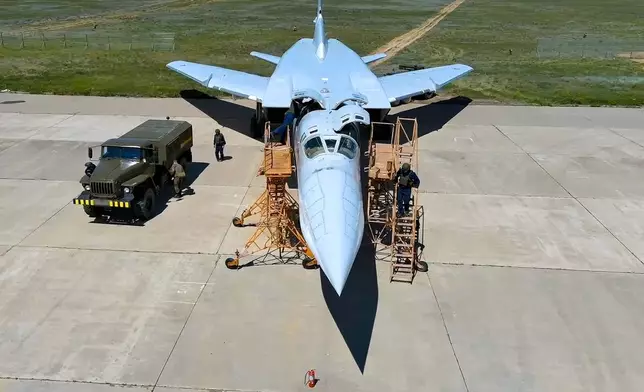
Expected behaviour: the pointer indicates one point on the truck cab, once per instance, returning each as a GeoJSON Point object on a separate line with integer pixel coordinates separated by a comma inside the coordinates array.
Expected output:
{"type": "Point", "coordinates": [132, 170]}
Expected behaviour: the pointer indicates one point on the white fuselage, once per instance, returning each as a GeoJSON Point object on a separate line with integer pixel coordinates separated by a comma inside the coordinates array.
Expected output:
{"type": "Point", "coordinates": [330, 196]}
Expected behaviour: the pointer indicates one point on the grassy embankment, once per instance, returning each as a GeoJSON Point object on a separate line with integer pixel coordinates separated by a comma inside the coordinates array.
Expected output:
{"type": "Point", "coordinates": [482, 32]}
{"type": "Point", "coordinates": [212, 32]}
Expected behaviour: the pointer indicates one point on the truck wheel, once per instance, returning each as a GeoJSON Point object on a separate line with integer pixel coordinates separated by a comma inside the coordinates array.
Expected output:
{"type": "Point", "coordinates": [145, 206]}
{"type": "Point", "coordinates": [93, 212]}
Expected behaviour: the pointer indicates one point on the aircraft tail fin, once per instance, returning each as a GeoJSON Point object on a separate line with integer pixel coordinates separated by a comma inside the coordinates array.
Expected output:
{"type": "Point", "coordinates": [319, 37]}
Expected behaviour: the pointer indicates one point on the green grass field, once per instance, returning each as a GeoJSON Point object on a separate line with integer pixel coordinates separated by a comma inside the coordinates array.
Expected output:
{"type": "Point", "coordinates": [545, 36]}
{"type": "Point", "coordinates": [551, 61]}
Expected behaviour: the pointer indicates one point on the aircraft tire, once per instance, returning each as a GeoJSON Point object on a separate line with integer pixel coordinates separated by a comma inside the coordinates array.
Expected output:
{"type": "Point", "coordinates": [254, 127]}
{"type": "Point", "coordinates": [232, 263]}
{"type": "Point", "coordinates": [145, 206]}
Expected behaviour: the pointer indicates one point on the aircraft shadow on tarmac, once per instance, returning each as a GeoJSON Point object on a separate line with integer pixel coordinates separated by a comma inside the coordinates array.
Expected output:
{"type": "Point", "coordinates": [433, 116]}
{"type": "Point", "coordinates": [228, 114]}
{"type": "Point", "coordinates": [355, 311]}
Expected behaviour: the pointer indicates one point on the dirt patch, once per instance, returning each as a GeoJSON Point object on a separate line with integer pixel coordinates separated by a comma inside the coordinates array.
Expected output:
{"type": "Point", "coordinates": [396, 45]}
{"type": "Point", "coordinates": [638, 57]}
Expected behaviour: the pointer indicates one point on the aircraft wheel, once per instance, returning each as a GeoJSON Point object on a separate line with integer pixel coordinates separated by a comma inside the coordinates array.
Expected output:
{"type": "Point", "coordinates": [232, 263]}
{"type": "Point", "coordinates": [255, 129]}
{"type": "Point", "coordinates": [237, 222]}
{"type": "Point", "coordinates": [422, 266]}
{"type": "Point", "coordinates": [310, 264]}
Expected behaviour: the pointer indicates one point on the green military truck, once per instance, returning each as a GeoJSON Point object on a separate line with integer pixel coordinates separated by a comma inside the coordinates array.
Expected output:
{"type": "Point", "coordinates": [134, 169]}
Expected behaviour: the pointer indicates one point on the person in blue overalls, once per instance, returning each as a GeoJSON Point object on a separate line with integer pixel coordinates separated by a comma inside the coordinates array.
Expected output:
{"type": "Point", "coordinates": [289, 117]}
{"type": "Point", "coordinates": [406, 179]}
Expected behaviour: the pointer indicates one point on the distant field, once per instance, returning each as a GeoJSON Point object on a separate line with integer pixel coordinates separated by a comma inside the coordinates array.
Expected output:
{"type": "Point", "coordinates": [551, 62]}
{"type": "Point", "coordinates": [218, 32]}
{"type": "Point", "coordinates": [545, 36]}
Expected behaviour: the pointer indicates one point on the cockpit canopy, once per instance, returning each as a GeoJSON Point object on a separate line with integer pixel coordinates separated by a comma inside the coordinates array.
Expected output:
{"type": "Point", "coordinates": [331, 144]}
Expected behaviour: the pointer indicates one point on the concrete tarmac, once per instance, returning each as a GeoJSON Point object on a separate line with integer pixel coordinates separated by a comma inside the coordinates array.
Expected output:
{"type": "Point", "coordinates": [533, 231]}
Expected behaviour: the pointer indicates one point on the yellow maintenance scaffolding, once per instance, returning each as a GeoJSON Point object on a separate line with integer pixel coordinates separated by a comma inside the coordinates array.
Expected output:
{"type": "Point", "coordinates": [397, 237]}
{"type": "Point", "coordinates": [277, 209]}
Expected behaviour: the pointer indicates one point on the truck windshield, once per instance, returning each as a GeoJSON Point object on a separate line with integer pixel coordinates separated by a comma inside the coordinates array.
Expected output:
{"type": "Point", "coordinates": [122, 152]}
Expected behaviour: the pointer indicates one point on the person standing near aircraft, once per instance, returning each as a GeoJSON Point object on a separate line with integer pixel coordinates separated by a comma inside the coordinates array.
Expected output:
{"type": "Point", "coordinates": [289, 117]}
{"type": "Point", "coordinates": [178, 175]}
{"type": "Point", "coordinates": [406, 179]}
{"type": "Point", "coordinates": [219, 142]}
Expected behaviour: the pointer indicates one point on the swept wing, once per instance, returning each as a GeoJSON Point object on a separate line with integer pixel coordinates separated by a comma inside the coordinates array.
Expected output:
{"type": "Point", "coordinates": [408, 84]}
{"type": "Point", "coordinates": [238, 83]}
{"type": "Point", "coordinates": [266, 57]}
{"type": "Point", "coordinates": [373, 57]}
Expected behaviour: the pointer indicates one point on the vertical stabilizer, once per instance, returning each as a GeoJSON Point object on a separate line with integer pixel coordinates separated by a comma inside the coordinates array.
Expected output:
{"type": "Point", "coordinates": [319, 36]}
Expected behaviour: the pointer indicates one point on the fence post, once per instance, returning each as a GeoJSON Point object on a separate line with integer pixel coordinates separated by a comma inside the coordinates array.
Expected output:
{"type": "Point", "coordinates": [109, 45]}
{"type": "Point", "coordinates": [1, 40]}
{"type": "Point", "coordinates": [22, 41]}
{"type": "Point", "coordinates": [86, 42]}
{"type": "Point", "coordinates": [64, 40]}
{"type": "Point", "coordinates": [42, 35]}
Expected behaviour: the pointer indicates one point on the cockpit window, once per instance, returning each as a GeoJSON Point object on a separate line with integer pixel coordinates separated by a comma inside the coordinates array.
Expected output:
{"type": "Point", "coordinates": [351, 130]}
{"type": "Point", "coordinates": [330, 144]}
{"type": "Point", "coordinates": [313, 147]}
{"type": "Point", "coordinates": [348, 147]}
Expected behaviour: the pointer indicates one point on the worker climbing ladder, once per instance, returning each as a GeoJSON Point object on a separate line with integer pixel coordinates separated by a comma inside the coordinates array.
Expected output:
{"type": "Point", "coordinates": [400, 233]}
{"type": "Point", "coordinates": [277, 209]}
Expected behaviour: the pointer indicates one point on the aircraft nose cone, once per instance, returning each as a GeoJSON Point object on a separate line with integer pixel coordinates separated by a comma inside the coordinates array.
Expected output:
{"type": "Point", "coordinates": [335, 223]}
{"type": "Point", "coordinates": [336, 258]}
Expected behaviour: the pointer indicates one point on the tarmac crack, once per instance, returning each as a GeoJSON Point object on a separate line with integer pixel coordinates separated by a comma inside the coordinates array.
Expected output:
{"type": "Point", "coordinates": [30, 138]}
{"type": "Point", "coordinates": [231, 225]}
{"type": "Point", "coordinates": [449, 338]}
{"type": "Point", "coordinates": [618, 134]}
{"type": "Point", "coordinates": [461, 264]}
{"type": "Point", "coordinates": [171, 252]}
{"type": "Point", "coordinates": [571, 195]}
{"type": "Point", "coordinates": [112, 384]}
{"type": "Point", "coordinates": [37, 228]}
{"type": "Point", "coordinates": [156, 383]}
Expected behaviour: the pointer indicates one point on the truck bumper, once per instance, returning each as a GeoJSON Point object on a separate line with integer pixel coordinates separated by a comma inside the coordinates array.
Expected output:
{"type": "Point", "coordinates": [85, 199]}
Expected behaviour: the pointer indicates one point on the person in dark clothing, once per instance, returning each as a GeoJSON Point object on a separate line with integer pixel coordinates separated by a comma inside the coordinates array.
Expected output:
{"type": "Point", "coordinates": [89, 169]}
{"type": "Point", "coordinates": [406, 180]}
{"type": "Point", "coordinates": [219, 142]}
{"type": "Point", "coordinates": [279, 134]}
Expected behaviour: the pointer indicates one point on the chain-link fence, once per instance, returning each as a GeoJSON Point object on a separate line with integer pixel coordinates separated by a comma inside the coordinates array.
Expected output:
{"type": "Point", "coordinates": [101, 41]}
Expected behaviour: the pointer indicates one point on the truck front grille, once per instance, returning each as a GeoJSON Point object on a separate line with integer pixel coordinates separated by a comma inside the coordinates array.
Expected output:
{"type": "Point", "coordinates": [102, 188]}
